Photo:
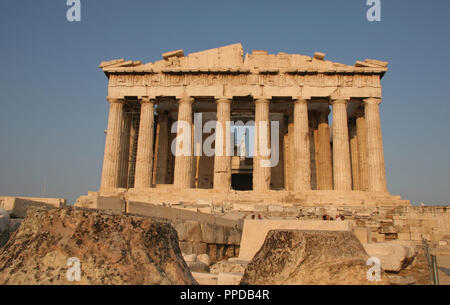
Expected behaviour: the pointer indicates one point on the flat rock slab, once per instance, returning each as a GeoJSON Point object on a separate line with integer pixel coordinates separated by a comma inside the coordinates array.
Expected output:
{"type": "Point", "coordinates": [111, 249]}
{"type": "Point", "coordinates": [255, 231]}
{"type": "Point", "coordinates": [294, 257]}
{"type": "Point", "coordinates": [393, 257]}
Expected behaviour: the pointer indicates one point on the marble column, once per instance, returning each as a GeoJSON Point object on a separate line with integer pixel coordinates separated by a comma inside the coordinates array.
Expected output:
{"type": "Point", "coordinates": [361, 134]}
{"type": "Point", "coordinates": [125, 147]}
{"type": "Point", "coordinates": [290, 152]}
{"type": "Point", "coordinates": [261, 171]}
{"type": "Point", "coordinates": [134, 126]}
{"type": "Point", "coordinates": [313, 122]}
{"type": "Point", "coordinates": [286, 154]}
{"type": "Point", "coordinates": [375, 153]}
{"type": "Point", "coordinates": [144, 158]}
{"type": "Point", "coordinates": [324, 158]}
{"type": "Point", "coordinates": [222, 157]}
{"type": "Point", "coordinates": [277, 172]}
{"type": "Point", "coordinates": [341, 148]}
{"type": "Point", "coordinates": [302, 171]}
{"type": "Point", "coordinates": [354, 155]}
{"type": "Point", "coordinates": [111, 161]}
{"type": "Point", "coordinates": [162, 149]}
{"type": "Point", "coordinates": [183, 159]}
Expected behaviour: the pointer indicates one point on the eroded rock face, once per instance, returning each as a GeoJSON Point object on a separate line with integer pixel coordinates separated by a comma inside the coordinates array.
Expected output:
{"type": "Point", "coordinates": [292, 257]}
{"type": "Point", "coordinates": [112, 249]}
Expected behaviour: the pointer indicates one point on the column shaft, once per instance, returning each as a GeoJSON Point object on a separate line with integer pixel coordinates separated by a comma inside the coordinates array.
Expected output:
{"type": "Point", "coordinates": [183, 159]}
{"type": "Point", "coordinates": [261, 170]}
{"type": "Point", "coordinates": [111, 161]}
{"type": "Point", "coordinates": [354, 155]}
{"type": "Point", "coordinates": [277, 172]}
{"type": "Point", "coordinates": [302, 171]}
{"type": "Point", "coordinates": [222, 157]}
{"type": "Point", "coordinates": [125, 147]}
{"type": "Point", "coordinates": [144, 158]}
{"type": "Point", "coordinates": [361, 134]}
{"type": "Point", "coordinates": [162, 149]}
{"type": "Point", "coordinates": [375, 154]}
{"type": "Point", "coordinates": [291, 160]}
{"type": "Point", "coordinates": [324, 157]}
{"type": "Point", "coordinates": [341, 150]}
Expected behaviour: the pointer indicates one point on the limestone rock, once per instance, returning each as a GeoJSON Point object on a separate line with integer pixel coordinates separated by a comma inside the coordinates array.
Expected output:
{"type": "Point", "coordinates": [229, 278]}
{"type": "Point", "coordinates": [229, 266]}
{"type": "Point", "coordinates": [401, 280]}
{"type": "Point", "coordinates": [293, 257]}
{"type": "Point", "coordinates": [197, 266]}
{"type": "Point", "coordinates": [4, 226]}
{"type": "Point", "coordinates": [393, 257]}
{"type": "Point", "coordinates": [4, 220]}
{"type": "Point", "coordinates": [190, 258]}
{"type": "Point", "coordinates": [204, 258]}
{"type": "Point", "coordinates": [112, 249]}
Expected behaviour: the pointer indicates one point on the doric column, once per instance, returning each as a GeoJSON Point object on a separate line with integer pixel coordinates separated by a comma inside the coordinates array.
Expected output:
{"type": "Point", "coordinates": [162, 150]}
{"type": "Point", "coordinates": [291, 161]}
{"type": "Point", "coordinates": [361, 134]}
{"type": "Point", "coordinates": [354, 155]}
{"type": "Point", "coordinates": [286, 155]}
{"type": "Point", "coordinates": [324, 163]}
{"type": "Point", "coordinates": [341, 151]}
{"type": "Point", "coordinates": [261, 170]}
{"type": "Point", "coordinates": [183, 158]}
{"type": "Point", "coordinates": [111, 161]}
{"type": "Point", "coordinates": [125, 147]}
{"type": "Point", "coordinates": [144, 157]}
{"type": "Point", "coordinates": [375, 154]}
{"type": "Point", "coordinates": [312, 118]}
{"type": "Point", "coordinates": [222, 157]}
{"type": "Point", "coordinates": [302, 171]}
{"type": "Point", "coordinates": [277, 172]}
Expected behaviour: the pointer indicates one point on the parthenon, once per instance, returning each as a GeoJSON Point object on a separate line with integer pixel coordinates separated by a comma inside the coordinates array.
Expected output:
{"type": "Point", "coordinates": [329, 140]}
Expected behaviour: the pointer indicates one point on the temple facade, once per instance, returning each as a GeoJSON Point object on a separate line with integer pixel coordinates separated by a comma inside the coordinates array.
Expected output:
{"type": "Point", "coordinates": [328, 141]}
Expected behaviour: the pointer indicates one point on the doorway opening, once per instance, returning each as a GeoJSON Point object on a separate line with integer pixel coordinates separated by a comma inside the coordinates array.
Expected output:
{"type": "Point", "coordinates": [242, 182]}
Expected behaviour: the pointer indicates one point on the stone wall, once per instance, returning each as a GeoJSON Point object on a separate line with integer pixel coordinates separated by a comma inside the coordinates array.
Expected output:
{"type": "Point", "coordinates": [379, 224]}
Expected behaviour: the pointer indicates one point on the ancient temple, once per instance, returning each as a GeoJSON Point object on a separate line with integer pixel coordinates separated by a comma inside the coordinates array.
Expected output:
{"type": "Point", "coordinates": [328, 143]}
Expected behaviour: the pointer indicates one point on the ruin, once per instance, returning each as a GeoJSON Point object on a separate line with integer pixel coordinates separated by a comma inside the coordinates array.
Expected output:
{"type": "Point", "coordinates": [338, 163]}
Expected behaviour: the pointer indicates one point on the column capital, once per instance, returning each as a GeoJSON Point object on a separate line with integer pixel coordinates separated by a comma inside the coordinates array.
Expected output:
{"type": "Point", "coordinates": [219, 100]}
{"type": "Point", "coordinates": [185, 99]}
{"type": "Point", "coordinates": [113, 100]}
{"type": "Point", "coordinates": [372, 101]}
{"type": "Point", "coordinates": [261, 99]}
{"type": "Point", "coordinates": [340, 100]}
{"type": "Point", "coordinates": [300, 99]}
{"type": "Point", "coordinates": [147, 99]}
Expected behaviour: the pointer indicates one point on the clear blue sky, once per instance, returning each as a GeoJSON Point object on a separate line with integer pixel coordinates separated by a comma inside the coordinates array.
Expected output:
{"type": "Point", "coordinates": [53, 108]}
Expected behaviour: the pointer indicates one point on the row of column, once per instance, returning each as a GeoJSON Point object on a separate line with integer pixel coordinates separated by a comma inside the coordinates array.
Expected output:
{"type": "Point", "coordinates": [356, 160]}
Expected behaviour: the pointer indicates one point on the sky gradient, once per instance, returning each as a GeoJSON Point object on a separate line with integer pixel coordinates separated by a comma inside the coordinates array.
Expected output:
{"type": "Point", "coordinates": [52, 93]}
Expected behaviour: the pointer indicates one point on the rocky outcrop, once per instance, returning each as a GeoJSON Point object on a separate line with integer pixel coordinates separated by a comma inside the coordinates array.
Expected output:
{"type": "Point", "coordinates": [111, 249]}
{"type": "Point", "coordinates": [4, 226]}
{"type": "Point", "coordinates": [393, 257]}
{"type": "Point", "coordinates": [309, 257]}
